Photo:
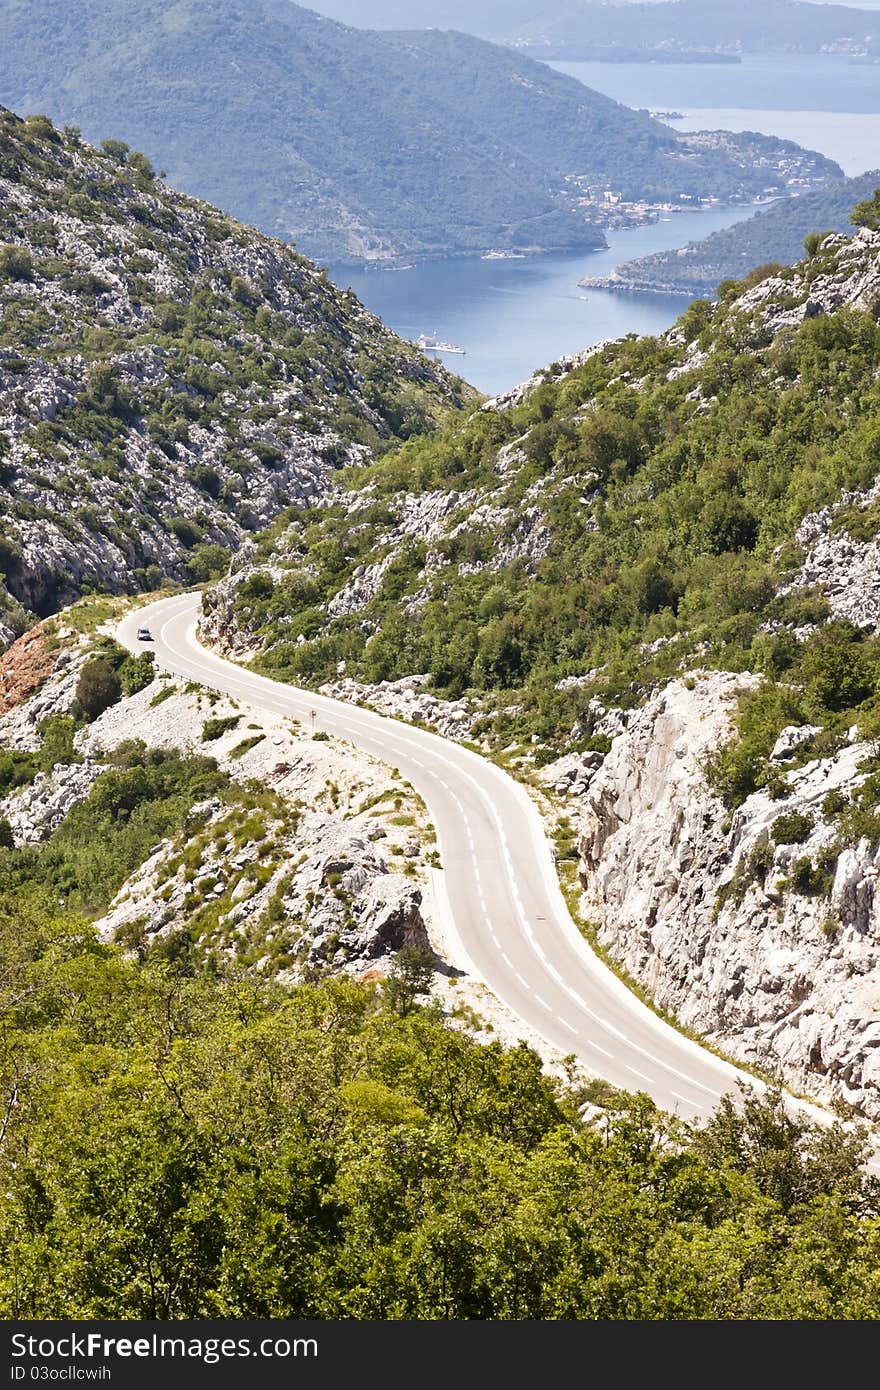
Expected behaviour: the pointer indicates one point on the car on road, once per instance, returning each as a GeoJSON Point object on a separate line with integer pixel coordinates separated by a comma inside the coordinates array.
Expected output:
{"type": "Point", "coordinates": [144, 634]}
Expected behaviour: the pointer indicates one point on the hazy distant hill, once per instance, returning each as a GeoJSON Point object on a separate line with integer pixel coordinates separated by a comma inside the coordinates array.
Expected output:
{"type": "Point", "coordinates": [751, 26]}
{"type": "Point", "coordinates": [774, 234]}
{"type": "Point", "coordinates": [568, 27]}
{"type": "Point", "coordinates": [357, 145]}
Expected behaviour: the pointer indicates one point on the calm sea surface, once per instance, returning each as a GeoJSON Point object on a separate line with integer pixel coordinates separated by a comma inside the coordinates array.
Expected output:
{"type": "Point", "coordinates": [791, 82]}
{"type": "Point", "coordinates": [512, 317]}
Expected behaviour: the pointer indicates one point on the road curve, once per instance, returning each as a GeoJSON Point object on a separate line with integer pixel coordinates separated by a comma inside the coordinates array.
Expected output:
{"type": "Point", "coordinates": [502, 888]}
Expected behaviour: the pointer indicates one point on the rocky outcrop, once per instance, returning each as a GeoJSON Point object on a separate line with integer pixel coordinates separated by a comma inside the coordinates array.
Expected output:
{"type": "Point", "coordinates": [189, 378]}
{"type": "Point", "coordinates": [770, 949]}
{"type": "Point", "coordinates": [331, 876]}
{"type": "Point", "coordinates": [517, 394]}
{"type": "Point", "coordinates": [37, 810]}
{"type": "Point", "coordinates": [572, 774]}
{"type": "Point", "coordinates": [330, 900]}
{"type": "Point", "coordinates": [844, 568]}
{"type": "Point", "coordinates": [851, 281]}
{"type": "Point", "coordinates": [223, 622]}
{"type": "Point", "coordinates": [407, 699]}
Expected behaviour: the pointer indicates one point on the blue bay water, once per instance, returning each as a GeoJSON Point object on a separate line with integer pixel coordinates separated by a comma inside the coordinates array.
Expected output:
{"type": "Point", "coordinates": [513, 317]}
{"type": "Point", "coordinates": [777, 82]}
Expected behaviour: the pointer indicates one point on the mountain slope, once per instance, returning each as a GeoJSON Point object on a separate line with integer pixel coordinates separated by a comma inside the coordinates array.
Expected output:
{"type": "Point", "coordinates": [669, 453]}
{"type": "Point", "coordinates": [169, 379]}
{"type": "Point", "coordinates": [361, 146]}
{"type": "Point", "coordinates": [775, 234]}
{"type": "Point", "coordinates": [648, 580]}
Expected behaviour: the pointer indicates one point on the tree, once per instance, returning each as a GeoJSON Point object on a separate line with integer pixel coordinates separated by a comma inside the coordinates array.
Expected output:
{"type": "Point", "coordinates": [141, 165]}
{"type": "Point", "coordinates": [867, 214]}
{"type": "Point", "coordinates": [813, 241]}
{"type": "Point", "coordinates": [136, 672]}
{"type": "Point", "coordinates": [207, 561]}
{"type": "Point", "coordinates": [242, 292]}
{"type": "Point", "coordinates": [410, 975]}
{"type": "Point", "coordinates": [116, 149]}
{"type": "Point", "coordinates": [98, 688]}
{"type": "Point", "coordinates": [838, 673]}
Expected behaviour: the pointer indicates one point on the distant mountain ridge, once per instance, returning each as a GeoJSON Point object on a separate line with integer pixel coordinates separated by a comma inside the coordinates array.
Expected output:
{"type": "Point", "coordinates": [597, 30]}
{"type": "Point", "coordinates": [360, 146]}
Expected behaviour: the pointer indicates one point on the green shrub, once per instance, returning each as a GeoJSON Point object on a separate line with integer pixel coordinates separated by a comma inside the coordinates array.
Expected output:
{"type": "Point", "coordinates": [117, 150]}
{"type": "Point", "coordinates": [792, 828]}
{"type": "Point", "coordinates": [137, 672]}
{"type": "Point", "coordinates": [813, 880]}
{"type": "Point", "coordinates": [867, 214]}
{"type": "Point", "coordinates": [246, 745]}
{"type": "Point", "coordinates": [189, 533]}
{"type": "Point", "coordinates": [141, 165]}
{"type": "Point", "coordinates": [215, 728]}
{"type": "Point", "coordinates": [751, 869]}
{"type": "Point", "coordinates": [207, 561]}
{"type": "Point", "coordinates": [16, 263]}
{"type": "Point", "coordinates": [741, 765]}
{"type": "Point", "coordinates": [833, 804]}
{"type": "Point", "coordinates": [838, 672]}
{"type": "Point", "coordinates": [98, 688]}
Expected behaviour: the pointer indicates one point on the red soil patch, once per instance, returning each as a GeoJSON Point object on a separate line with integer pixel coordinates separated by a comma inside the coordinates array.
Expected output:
{"type": "Point", "coordinates": [24, 667]}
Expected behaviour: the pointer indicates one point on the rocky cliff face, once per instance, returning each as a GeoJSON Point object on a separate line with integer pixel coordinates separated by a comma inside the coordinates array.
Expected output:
{"type": "Point", "coordinates": [169, 379]}
{"type": "Point", "coordinates": [728, 929]}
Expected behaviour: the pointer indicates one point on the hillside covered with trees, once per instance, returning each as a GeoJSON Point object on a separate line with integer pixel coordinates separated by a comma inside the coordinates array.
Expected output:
{"type": "Point", "coordinates": [618, 517]}
{"type": "Point", "coordinates": [178, 1145]}
{"type": "Point", "coordinates": [362, 146]}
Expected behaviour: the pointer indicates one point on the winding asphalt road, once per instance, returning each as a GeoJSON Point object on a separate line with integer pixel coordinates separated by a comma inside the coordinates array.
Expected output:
{"type": "Point", "coordinates": [501, 888]}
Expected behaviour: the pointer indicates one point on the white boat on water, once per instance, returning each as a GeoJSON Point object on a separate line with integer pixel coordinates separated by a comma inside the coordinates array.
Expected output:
{"type": "Point", "coordinates": [429, 342]}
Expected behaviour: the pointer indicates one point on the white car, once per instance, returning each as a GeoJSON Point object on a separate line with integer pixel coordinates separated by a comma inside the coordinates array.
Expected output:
{"type": "Point", "coordinates": [144, 634]}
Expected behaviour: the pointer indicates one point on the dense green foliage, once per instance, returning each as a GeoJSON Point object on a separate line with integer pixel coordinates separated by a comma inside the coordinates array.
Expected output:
{"type": "Point", "coordinates": [183, 1137]}
{"type": "Point", "coordinates": [354, 144]}
{"type": "Point", "coordinates": [775, 234]}
{"type": "Point", "coordinates": [177, 1146]}
{"type": "Point", "coordinates": [98, 688]}
{"type": "Point", "coordinates": [867, 213]}
{"type": "Point", "coordinates": [18, 769]}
